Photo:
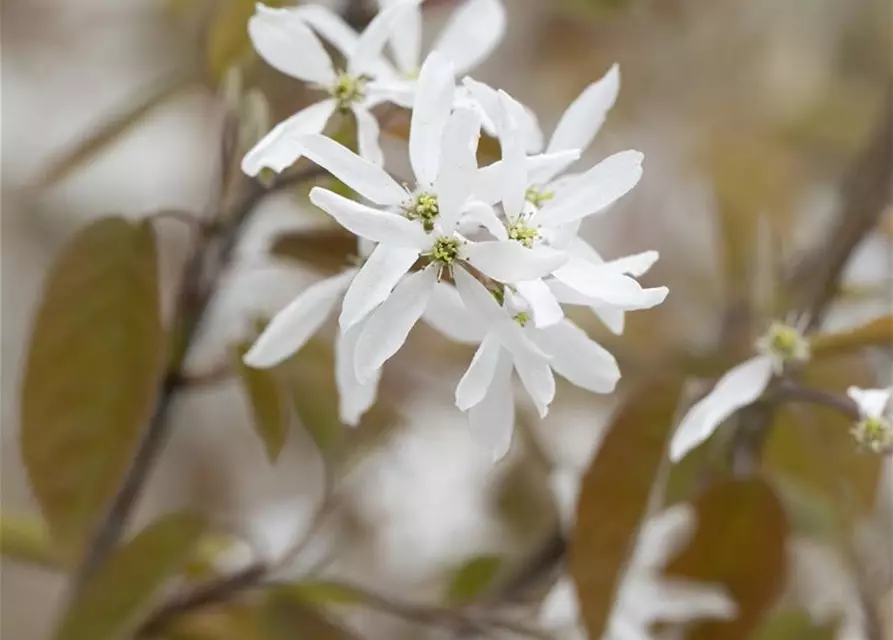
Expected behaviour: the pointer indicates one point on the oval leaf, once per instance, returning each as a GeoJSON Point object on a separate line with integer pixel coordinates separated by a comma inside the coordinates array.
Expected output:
{"type": "Point", "coordinates": [290, 618]}
{"type": "Point", "coordinates": [739, 543]}
{"type": "Point", "coordinates": [91, 373]}
{"type": "Point", "coordinates": [111, 603]}
{"type": "Point", "coordinates": [271, 415]}
{"type": "Point", "coordinates": [473, 578]}
{"type": "Point", "coordinates": [614, 497]}
{"type": "Point", "coordinates": [877, 333]}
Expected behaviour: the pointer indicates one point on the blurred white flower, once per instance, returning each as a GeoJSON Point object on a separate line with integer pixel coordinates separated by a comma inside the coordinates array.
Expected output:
{"type": "Point", "coordinates": [739, 387]}
{"type": "Point", "coordinates": [284, 40]}
{"type": "Point", "coordinates": [875, 429]}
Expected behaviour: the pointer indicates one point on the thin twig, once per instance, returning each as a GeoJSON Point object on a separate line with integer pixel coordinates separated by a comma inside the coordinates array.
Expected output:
{"type": "Point", "coordinates": [794, 392]}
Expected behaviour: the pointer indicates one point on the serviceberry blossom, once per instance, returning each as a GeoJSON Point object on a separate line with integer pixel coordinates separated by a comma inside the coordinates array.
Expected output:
{"type": "Point", "coordinates": [874, 431]}
{"type": "Point", "coordinates": [284, 40]}
{"type": "Point", "coordinates": [782, 345]}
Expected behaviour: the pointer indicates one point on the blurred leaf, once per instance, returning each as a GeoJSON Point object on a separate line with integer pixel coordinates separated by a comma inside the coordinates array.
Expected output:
{"type": "Point", "coordinates": [739, 543]}
{"type": "Point", "coordinates": [473, 578]}
{"type": "Point", "coordinates": [228, 43]}
{"type": "Point", "coordinates": [231, 621]}
{"type": "Point", "coordinates": [24, 537]}
{"type": "Point", "coordinates": [794, 625]}
{"type": "Point", "coordinates": [113, 129]}
{"type": "Point", "coordinates": [268, 404]}
{"type": "Point", "coordinates": [877, 333]}
{"type": "Point", "coordinates": [91, 373]}
{"type": "Point", "coordinates": [614, 496]}
{"type": "Point", "coordinates": [322, 593]}
{"type": "Point", "coordinates": [327, 250]}
{"type": "Point", "coordinates": [110, 604]}
{"type": "Point", "coordinates": [290, 618]}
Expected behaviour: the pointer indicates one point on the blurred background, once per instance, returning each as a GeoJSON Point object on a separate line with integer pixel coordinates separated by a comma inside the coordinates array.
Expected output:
{"type": "Point", "coordinates": [750, 114]}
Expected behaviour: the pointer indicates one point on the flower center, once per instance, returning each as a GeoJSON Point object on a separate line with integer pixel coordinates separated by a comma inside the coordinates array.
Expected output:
{"type": "Point", "coordinates": [522, 318]}
{"type": "Point", "coordinates": [784, 344]}
{"type": "Point", "coordinates": [874, 434]}
{"type": "Point", "coordinates": [424, 208]}
{"type": "Point", "coordinates": [445, 250]}
{"type": "Point", "coordinates": [522, 233]}
{"type": "Point", "coordinates": [347, 90]}
{"type": "Point", "coordinates": [538, 196]}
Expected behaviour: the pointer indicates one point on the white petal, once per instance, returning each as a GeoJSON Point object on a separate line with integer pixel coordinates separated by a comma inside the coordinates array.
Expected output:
{"type": "Point", "coordinates": [509, 261]}
{"type": "Point", "coordinates": [485, 96]}
{"type": "Point", "coordinates": [399, 92]}
{"type": "Point", "coordinates": [537, 378]}
{"type": "Point", "coordinates": [354, 397]}
{"type": "Point", "coordinates": [514, 156]}
{"type": "Point", "coordinates": [367, 136]}
{"type": "Point", "coordinates": [480, 302]}
{"type": "Point", "coordinates": [367, 53]}
{"type": "Point", "coordinates": [579, 359]}
{"type": "Point", "coordinates": [370, 181]}
{"type": "Point", "coordinates": [433, 102]}
{"type": "Point", "coordinates": [458, 165]}
{"type": "Point", "coordinates": [373, 284]}
{"type": "Point", "coordinates": [281, 147]}
{"type": "Point", "coordinates": [472, 33]}
{"type": "Point", "coordinates": [375, 225]}
{"type": "Point", "coordinates": [582, 120]}
{"type": "Point", "coordinates": [329, 25]}
{"type": "Point", "coordinates": [545, 308]}
{"type": "Point", "coordinates": [406, 38]}
{"type": "Point", "coordinates": [286, 43]}
{"type": "Point", "coordinates": [477, 214]}
{"type": "Point", "coordinates": [540, 169]}
{"type": "Point", "coordinates": [448, 315]}
{"type": "Point", "coordinates": [290, 329]}
{"type": "Point", "coordinates": [492, 420]}
{"type": "Point", "coordinates": [676, 601]}
{"type": "Point", "coordinates": [388, 326]}
{"type": "Point", "coordinates": [600, 283]}
{"type": "Point", "coordinates": [612, 317]}
{"type": "Point", "coordinates": [477, 378]}
{"type": "Point", "coordinates": [635, 265]}
{"type": "Point", "coordinates": [871, 402]}
{"type": "Point", "coordinates": [595, 190]}
{"type": "Point", "coordinates": [739, 387]}
{"type": "Point", "coordinates": [561, 607]}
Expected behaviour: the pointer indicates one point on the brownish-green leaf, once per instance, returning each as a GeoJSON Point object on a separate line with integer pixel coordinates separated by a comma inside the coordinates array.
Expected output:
{"type": "Point", "coordinates": [111, 603]}
{"type": "Point", "coordinates": [323, 593]}
{"type": "Point", "coordinates": [794, 625]}
{"type": "Point", "coordinates": [228, 621]}
{"type": "Point", "coordinates": [473, 578]}
{"type": "Point", "coordinates": [91, 373]}
{"type": "Point", "coordinates": [112, 129]}
{"type": "Point", "coordinates": [291, 618]}
{"type": "Point", "coordinates": [268, 404]}
{"type": "Point", "coordinates": [328, 250]}
{"type": "Point", "coordinates": [614, 497]}
{"type": "Point", "coordinates": [739, 543]}
{"type": "Point", "coordinates": [25, 538]}
{"type": "Point", "coordinates": [877, 333]}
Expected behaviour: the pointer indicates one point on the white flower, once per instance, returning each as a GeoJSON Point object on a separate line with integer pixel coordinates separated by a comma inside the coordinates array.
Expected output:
{"type": "Point", "coordinates": [739, 387]}
{"type": "Point", "coordinates": [508, 341]}
{"type": "Point", "coordinates": [293, 326]}
{"type": "Point", "coordinates": [415, 224]}
{"type": "Point", "coordinates": [284, 40]}
{"type": "Point", "coordinates": [875, 429]}
{"type": "Point", "coordinates": [645, 597]}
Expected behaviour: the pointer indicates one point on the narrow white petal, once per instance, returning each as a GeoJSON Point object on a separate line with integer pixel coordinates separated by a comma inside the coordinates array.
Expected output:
{"type": "Point", "coordinates": [399, 92]}
{"type": "Point", "coordinates": [369, 180]}
{"type": "Point", "coordinates": [871, 402]}
{"type": "Point", "coordinates": [582, 249]}
{"type": "Point", "coordinates": [486, 97]}
{"type": "Point", "coordinates": [367, 54]}
{"type": "Point", "coordinates": [543, 304]}
{"type": "Point", "coordinates": [509, 261]}
{"type": "Point", "coordinates": [373, 224]}
{"type": "Point", "coordinates": [281, 147]}
{"type": "Point", "coordinates": [375, 281]}
{"type": "Point", "coordinates": [635, 265]}
{"type": "Point", "coordinates": [458, 165]}
{"type": "Point", "coordinates": [290, 329]}
{"type": "Point", "coordinates": [477, 378]}
{"type": "Point", "coordinates": [624, 297]}
{"type": "Point", "coordinates": [329, 25]}
{"type": "Point", "coordinates": [739, 387]}
{"type": "Point", "coordinates": [492, 420]}
{"type": "Point", "coordinates": [477, 214]}
{"type": "Point", "coordinates": [595, 190]}
{"type": "Point", "coordinates": [431, 110]}
{"type": "Point", "coordinates": [474, 30]}
{"type": "Point", "coordinates": [481, 303]}
{"type": "Point", "coordinates": [537, 378]}
{"type": "Point", "coordinates": [676, 600]}
{"type": "Point", "coordinates": [531, 131]}
{"type": "Point", "coordinates": [600, 283]}
{"type": "Point", "coordinates": [579, 359]}
{"type": "Point", "coordinates": [287, 44]}
{"type": "Point", "coordinates": [612, 317]}
{"type": "Point", "coordinates": [387, 327]}
{"type": "Point", "coordinates": [447, 314]}
{"type": "Point", "coordinates": [406, 38]}
{"type": "Point", "coordinates": [367, 135]}
{"type": "Point", "coordinates": [582, 120]}
{"type": "Point", "coordinates": [514, 156]}
{"type": "Point", "coordinates": [354, 397]}
{"type": "Point", "coordinates": [540, 169]}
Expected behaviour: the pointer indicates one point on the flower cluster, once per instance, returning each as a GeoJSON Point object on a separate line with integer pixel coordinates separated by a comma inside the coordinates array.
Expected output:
{"type": "Point", "coordinates": [485, 255]}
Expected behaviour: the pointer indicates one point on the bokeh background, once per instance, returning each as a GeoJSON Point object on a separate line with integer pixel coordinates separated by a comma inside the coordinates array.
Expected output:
{"type": "Point", "coordinates": [749, 115]}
